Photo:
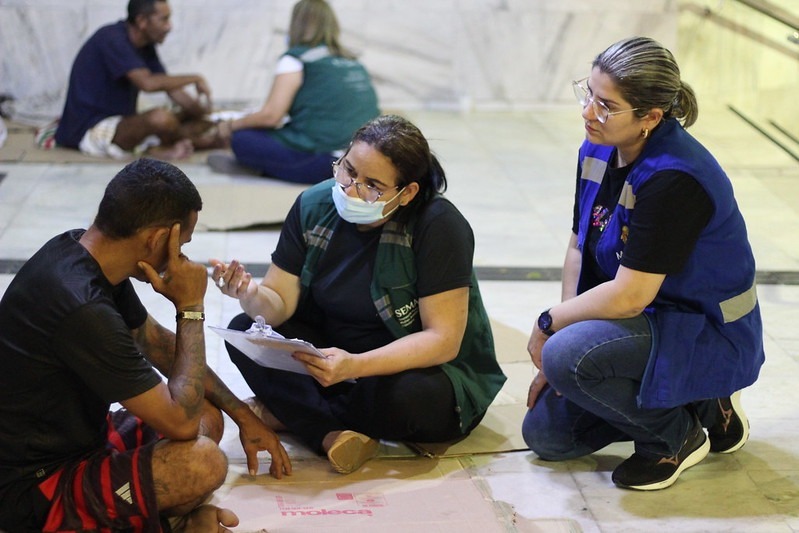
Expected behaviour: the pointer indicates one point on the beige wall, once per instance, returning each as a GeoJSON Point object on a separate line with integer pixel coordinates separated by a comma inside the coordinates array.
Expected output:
{"type": "Point", "coordinates": [440, 54]}
{"type": "Point", "coordinates": [434, 54]}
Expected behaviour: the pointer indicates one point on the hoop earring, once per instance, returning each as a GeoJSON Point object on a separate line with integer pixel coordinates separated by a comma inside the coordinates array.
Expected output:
{"type": "Point", "coordinates": [645, 133]}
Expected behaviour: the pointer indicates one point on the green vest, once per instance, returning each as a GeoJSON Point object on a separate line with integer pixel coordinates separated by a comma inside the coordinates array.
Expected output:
{"type": "Point", "coordinates": [335, 99]}
{"type": "Point", "coordinates": [475, 374]}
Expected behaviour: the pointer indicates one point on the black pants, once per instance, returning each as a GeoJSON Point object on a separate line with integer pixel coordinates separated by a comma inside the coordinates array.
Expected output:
{"type": "Point", "coordinates": [415, 405]}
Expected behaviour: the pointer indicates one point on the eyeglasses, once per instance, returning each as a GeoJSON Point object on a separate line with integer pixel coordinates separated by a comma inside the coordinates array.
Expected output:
{"type": "Point", "coordinates": [583, 95]}
{"type": "Point", "coordinates": [367, 193]}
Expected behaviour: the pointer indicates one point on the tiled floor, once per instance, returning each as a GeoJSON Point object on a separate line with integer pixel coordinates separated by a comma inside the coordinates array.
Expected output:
{"type": "Point", "coordinates": [512, 176]}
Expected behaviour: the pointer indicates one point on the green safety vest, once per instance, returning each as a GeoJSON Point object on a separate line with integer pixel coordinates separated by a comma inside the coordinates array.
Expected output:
{"type": "Point", "coordinates": [335, 99]}
{"type": "Point", "coordinates": [475, 374]}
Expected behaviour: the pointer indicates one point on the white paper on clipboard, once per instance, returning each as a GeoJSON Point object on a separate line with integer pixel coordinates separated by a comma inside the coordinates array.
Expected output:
{"type": "Point", "coordinates": [267, 347]}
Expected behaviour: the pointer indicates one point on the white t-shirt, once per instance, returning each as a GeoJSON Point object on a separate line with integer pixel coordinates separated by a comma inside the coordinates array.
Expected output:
{"type": "Point", "coordinates": [287, 64]}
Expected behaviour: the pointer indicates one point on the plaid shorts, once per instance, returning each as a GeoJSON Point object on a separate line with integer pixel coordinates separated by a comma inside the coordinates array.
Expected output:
{"type": "Point", "coordinates": [112, 489]}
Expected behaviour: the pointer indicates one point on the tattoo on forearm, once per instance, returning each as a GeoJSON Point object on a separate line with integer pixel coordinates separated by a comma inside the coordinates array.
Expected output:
{"type": "Point", "coordinates": [160, 347]}
{"type": "Point", "coordinates": [218, 393]}
{"type": "Point", "coordinates": [188, 370]}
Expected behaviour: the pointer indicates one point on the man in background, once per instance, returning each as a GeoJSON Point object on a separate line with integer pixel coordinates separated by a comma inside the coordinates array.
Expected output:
{"type": "Point", "coordinates": [116, 63]}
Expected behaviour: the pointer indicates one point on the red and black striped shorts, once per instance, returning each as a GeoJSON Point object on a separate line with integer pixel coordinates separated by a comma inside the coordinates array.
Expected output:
{"type": "Point", "coordinates": [111, 490]}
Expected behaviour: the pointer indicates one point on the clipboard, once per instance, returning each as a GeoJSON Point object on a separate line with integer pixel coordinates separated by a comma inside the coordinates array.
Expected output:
{"type": "Point", "coordinates": [267, 347]}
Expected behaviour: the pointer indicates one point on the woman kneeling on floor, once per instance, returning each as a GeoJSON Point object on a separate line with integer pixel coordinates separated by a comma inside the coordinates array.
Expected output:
{"type": "Point", "coordinates": [374, 267]}
{"type": "Point", "coordinates": [659, 326]}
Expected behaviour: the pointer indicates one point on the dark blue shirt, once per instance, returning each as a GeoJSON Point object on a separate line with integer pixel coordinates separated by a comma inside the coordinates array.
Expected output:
{"type": "Point", "coordinates": [99, 86]}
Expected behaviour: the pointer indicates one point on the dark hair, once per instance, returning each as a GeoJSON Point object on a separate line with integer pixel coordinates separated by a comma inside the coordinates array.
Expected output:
{"type": "Point", "coordinates": [141, 7]}
{"type": "Point", "coordinates": [647, 76]}
{"type": "Point", "coordinates": [403, 143]}
{"type": "Point", "coordinates": [313, 23]}
{"type": "Point", "coordinates": [146, 193]}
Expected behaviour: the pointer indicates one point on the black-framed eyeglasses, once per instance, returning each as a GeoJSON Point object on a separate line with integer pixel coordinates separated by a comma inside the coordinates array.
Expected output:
{"type": "Point", "coordinates": [601, 111]}
{"type": "Point", "coordinates": [366, 192]}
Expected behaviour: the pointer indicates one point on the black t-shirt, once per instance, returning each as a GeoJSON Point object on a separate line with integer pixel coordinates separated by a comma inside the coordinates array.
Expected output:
{"type": "Point", "coordinates": [66, 354]}
{"type": "Point", "coordinates": [341, 304]}
{"type": "Point", "coordinates": [671, 210]}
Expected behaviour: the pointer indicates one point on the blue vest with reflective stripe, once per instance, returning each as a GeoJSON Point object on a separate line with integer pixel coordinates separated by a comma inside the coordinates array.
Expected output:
{"type": "Point", "coordinates": [708, 337]}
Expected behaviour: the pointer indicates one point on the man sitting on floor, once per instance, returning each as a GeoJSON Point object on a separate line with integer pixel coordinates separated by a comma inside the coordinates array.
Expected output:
{"type": "Point", "coordinates": [100, 116]}
{"type": "Point", "coordinates": [75, 338]}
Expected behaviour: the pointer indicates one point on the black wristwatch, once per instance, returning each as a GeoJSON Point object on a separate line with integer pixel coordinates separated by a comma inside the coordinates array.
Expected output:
{"type": "Point", "coordinates": [545, 323]}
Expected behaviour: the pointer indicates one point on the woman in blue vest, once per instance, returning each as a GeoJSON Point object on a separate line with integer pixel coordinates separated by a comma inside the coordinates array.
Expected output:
{"type": "Point", "coordinates": [659, 326]}
{"type": "Point", "coordinates": [374, 267]}
{"type": "Point", "coordinates": [319, 97]}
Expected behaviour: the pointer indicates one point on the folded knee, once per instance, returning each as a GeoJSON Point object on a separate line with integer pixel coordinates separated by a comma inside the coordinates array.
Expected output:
{"type": "Point", "coordinates": [209, 463]}
{"type": "Point", "coordinates": [546, 442]}
{"type": "Point", "coordinates": [162, 121]}
{"type": "Point", "coordinates": [240, 322]}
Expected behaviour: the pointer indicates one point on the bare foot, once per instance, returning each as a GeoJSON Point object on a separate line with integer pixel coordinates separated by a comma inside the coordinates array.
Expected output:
{"type": "Point", "coordinates": [210, 519]}
{"type": "Point", "coordinates": [212, 138]}
{"type": "Point", "coordinates": [180, 150]}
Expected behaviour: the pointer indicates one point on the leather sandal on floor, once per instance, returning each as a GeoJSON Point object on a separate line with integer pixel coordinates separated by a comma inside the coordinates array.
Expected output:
{"type": "Point", "coordinates": [350, 451]}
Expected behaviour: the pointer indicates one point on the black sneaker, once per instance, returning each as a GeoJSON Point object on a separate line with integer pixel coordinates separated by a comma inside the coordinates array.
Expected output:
{"type": "Point", "coordinates": [731, 430]}
{"type": "Point", "coordinates": [642, 473]}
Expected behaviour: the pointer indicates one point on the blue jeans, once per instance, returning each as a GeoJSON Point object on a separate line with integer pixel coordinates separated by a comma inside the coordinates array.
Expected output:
{"type": "Point", "coordinates": [597, 367]}
{"type": "Point", "coordinates": [258, 149]}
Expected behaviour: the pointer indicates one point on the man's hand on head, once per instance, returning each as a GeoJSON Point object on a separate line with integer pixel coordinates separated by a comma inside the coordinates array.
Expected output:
{"type": "Point", "coordinates": [183, 282]}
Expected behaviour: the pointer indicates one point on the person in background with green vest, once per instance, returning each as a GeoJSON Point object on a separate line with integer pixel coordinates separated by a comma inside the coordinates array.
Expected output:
{"type": "Point", "coordinates": [374, 267]}
{"type": "Point", "coordinates": [319, 97]}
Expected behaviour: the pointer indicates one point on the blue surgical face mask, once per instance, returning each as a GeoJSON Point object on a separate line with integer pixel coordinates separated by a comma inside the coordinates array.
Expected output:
{"type": "Point", "coordinates": [359, 211]}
